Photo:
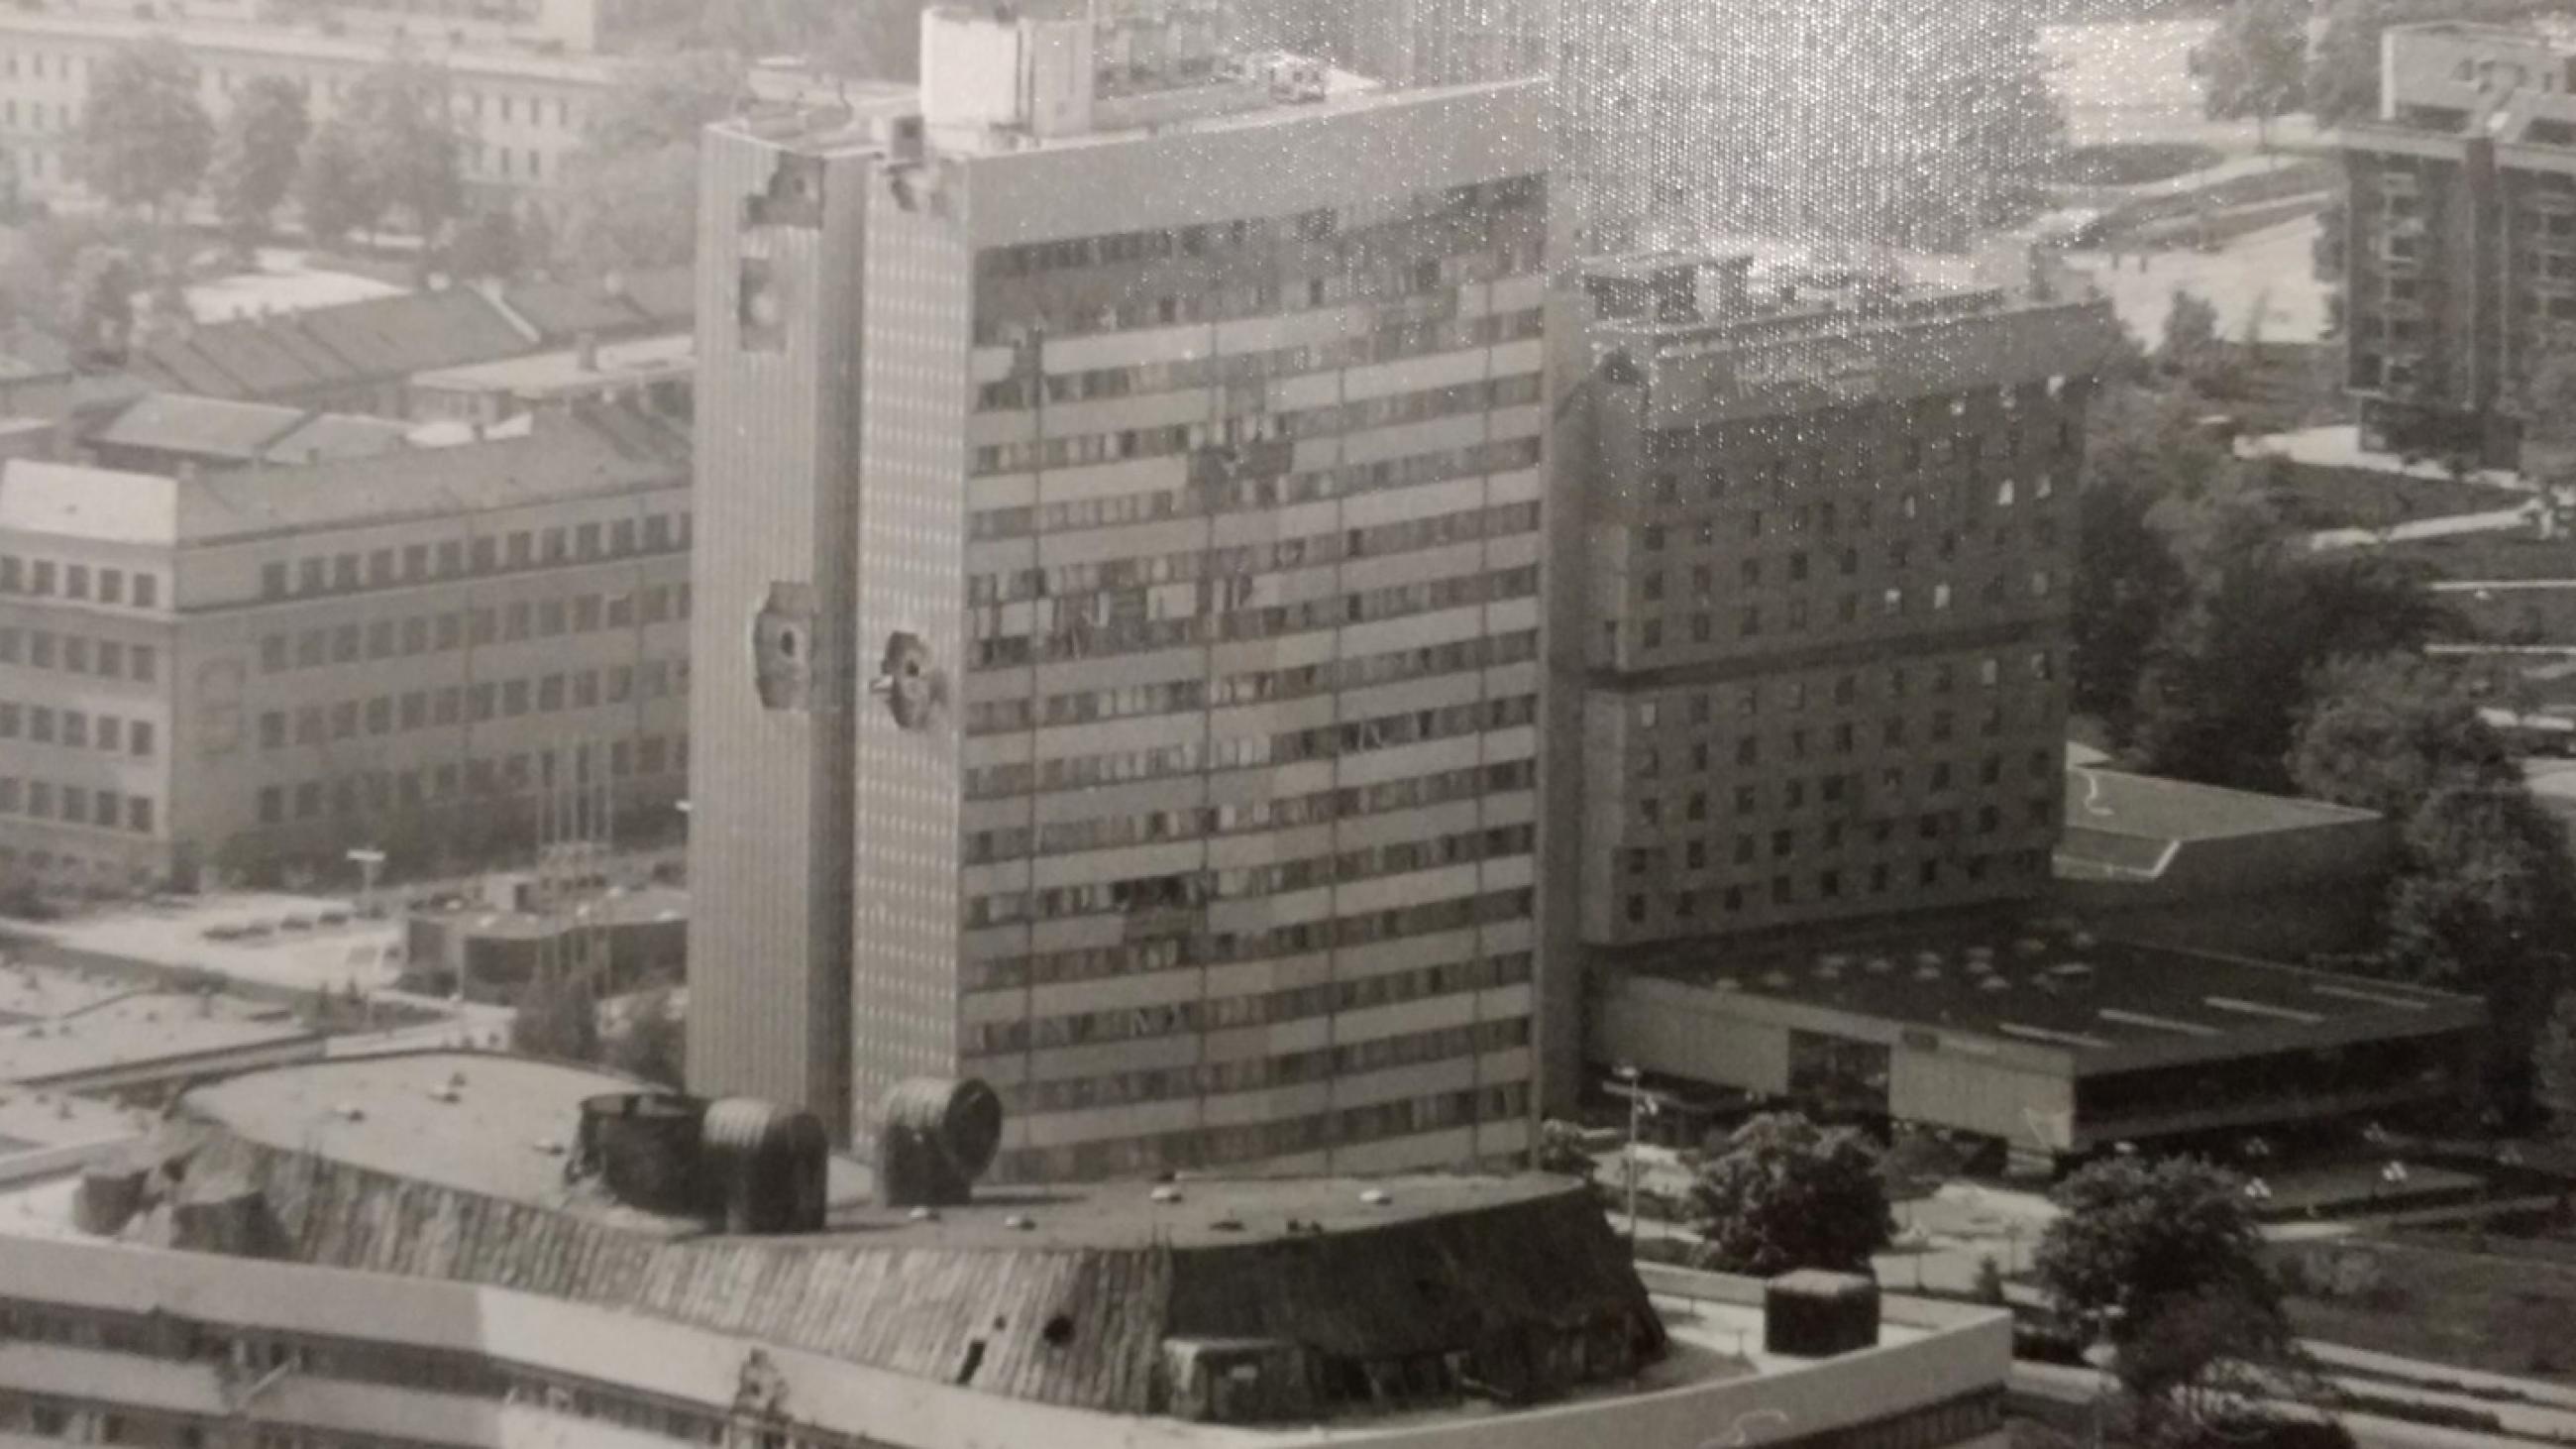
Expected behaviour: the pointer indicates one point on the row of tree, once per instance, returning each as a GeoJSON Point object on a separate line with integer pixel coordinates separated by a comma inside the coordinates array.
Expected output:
{"type": "Point", "coordinates": [391, 151]}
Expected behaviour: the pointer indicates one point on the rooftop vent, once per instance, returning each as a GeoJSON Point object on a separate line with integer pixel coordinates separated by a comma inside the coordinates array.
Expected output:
{"type": "Point", "coordinates": [936, 1138]}
{"type": "Point", "coordinates": [1927, 973]}
{"type": "Point", "coordinates": [1377, 1197]}
{"type": "Point", "coordinates": [1166, 1194]}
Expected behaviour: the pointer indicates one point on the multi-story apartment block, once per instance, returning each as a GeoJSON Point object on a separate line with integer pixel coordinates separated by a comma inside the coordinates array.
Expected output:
{"type": "Point", "coordinates": [1829, 518]}
{"type": "Point", "coordinates": [407, 650]}
{"type": "Point", "coordinates": [1119, 489]}
{"type": "Point", "coordinates": [2460, 234]}
{"type": "Point", "coordinates": [522, 92]}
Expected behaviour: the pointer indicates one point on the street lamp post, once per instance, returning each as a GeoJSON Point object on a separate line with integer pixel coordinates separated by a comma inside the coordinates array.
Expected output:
{"type": "Point", "coordinates": [1629, 1075]}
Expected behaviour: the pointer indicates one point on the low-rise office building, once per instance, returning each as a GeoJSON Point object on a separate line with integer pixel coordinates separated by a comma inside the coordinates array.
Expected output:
{"type": "Point", "coordinates": [2182, 864]}
{"type": "Point", "coordinates": [2054, 1042]}
{"type": "Point", "coordinates": [476, 1250]}
{"type": "Point", "coordinates": [408, 651]}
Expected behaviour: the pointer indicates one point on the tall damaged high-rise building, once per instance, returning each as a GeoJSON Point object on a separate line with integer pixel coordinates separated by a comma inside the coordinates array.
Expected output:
{"type": "Point", "coordinates": [1117, 658]}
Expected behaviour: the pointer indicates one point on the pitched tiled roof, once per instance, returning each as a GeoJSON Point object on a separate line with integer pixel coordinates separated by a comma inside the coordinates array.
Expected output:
{"type": "Point", "coordinates": [207, 427]}
{"type": "Point", "coordinates": [383, 339]}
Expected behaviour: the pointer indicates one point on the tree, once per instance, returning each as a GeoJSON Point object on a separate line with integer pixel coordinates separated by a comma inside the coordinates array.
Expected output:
{"type": "Point", "coordinates": [2386, 733]}
{"type": "Point", "coordinates": [630, 192]}
{"type": "Point", "coordinates": [490, 243]}
{"type": "Point", "coordinates": [1561, 1151]}
{"type": "Point", "coordinates": [2343, 75]}
{"type": "Point", "coordinates": [2486, 902]}
{"type": "Point", "coordinates": [2127, 584]}
{"type": "Point", "coordinates": [143, 139]}
{"type": "Point", "coordinates": [1787, 1194]}
{"type": "Point", "coordinates": [2161, 1257]}
{"type": "Point", "coordinates": [2202, 1359]}
{"type": "Point", "coordinates": [2553, 1064]}
{"type": "Point", "coordinates": [256, 154]}
{"type": "Point", "coordinates": [654, 1044]}
{"type": "Point", "coordinates": [2229, 676]}
{"type": "Point", "coordinates": [2190, 347]}
{"type": "Point", "coordinates": [402, 123]}
{"type": "Point", "coordinates": [2256, 63]}
{"type": "Point", "coordinates": [557, 1017]}
{"type": "Point", "coordinates": [333, 188]}
{"type": "Point", "coordinates": [631, 212]}
{"type": "Point", "coordinates": [97, 307]}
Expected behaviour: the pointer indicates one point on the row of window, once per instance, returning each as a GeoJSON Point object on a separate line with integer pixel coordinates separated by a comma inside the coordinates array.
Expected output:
{"type": "Point", "coordinates": [1911, 505]}
{"type": "Point", "coordinates": [1831, 837]}
{"type": "Point", "coordinates": [75, 729]}
{"type": "Point", "coordinates": [476, 703]}
{"type": "Point", "coordinates": [487, 553]}
{"type": "Point", "coordinates": [1386, 732]}
{"type": "Point", "coordinates": [1226, 1013]}
{"type": "Point", "coordinates": [1896, 682]}
{"type": "Point", "coordinates": [1841, 738]}
{"type": "Point", "coordinates": [1261, 1074]}
{"type": "Point", "coordinates": [1753, 621]}
{"type": "Point", "coordinates": [1208, 1147]}
{"type": "Point", "coordinates": [1242, 560]}
{"type": "Point", "coordinates": [1479, 200]}
{"type": "Point", "coordinates": [510, 623]}
{"type": "Point", "coordinates": [1188, 944]}
{"type": "Point", "coordinates": [1259, 493]}
{"type": "Point", "coordinates": [79, 654]}
{"type": "Point", "coordinates": [1830, 884]}
{"type": "Point", "coordinates": [1191, 890]}
{"type": "Point", "coordinates": [1161, 827]}
{"type": "Point", "coordinates": [1422, 288]}
{"type": "Point", "coordinates": [1392, 410]}
{"type": "Point", "coordinates": [1247, 369]}
{"type": "Point", "coordinates": [1490, 651]}
{"type": "Point", "coordinates": [1780, 450]}
{"type": "Point", "coordinates": [1090, 637]}
{"type": "Point", "coordinates": [75, 805]}
{"type": "Point", "coordinates": [376, 791]}
{"type": "Point", "coordinates": [86, 584]}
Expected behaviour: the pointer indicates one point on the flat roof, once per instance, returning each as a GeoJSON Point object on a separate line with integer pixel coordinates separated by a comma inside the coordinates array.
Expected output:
{"type": "Point", "coordinates": [74, 500]}
{"type": "Point", "coordinates": [2054, 987]}
{"type": "Point", "coordinates": [140, 1030]}
{"type": "Point", "coordinates": [505, 1133]}
{"type": "Point", "coordinates": [2150, 807]}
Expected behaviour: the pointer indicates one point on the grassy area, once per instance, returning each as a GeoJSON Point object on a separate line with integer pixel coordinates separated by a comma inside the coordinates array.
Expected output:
{"type": "Point", "coordinates": [2527, 616]}
{"type": "Point", "coordinates": [2465, 1309]}
{"type": "Point", "coordinates": [2316, 497]}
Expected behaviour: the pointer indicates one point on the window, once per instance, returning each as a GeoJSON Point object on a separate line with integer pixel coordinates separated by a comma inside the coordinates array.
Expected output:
{"type": "Point", "coordinates": [344, 720]}
{"type": "Point", "coordinates": [111, 586]}
{"type": "Point", "coordinates": [76, 581]}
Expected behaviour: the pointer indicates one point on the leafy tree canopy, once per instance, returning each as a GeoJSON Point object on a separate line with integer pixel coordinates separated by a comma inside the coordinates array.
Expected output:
{"type": "Point", "coordinates": [257, 152]}
{"type": "Point", "coordinates": [2385, 733]}
{"type": "Point", "coordinates": [2256, 64]}
{"type": "Point", "coordinates": [557, 1017]}
{"type": "Point", "coordinates": [143, 140]}
{"type": "Point", "coordinates": [2135, 1234]}
{"type": "Point", "coordinates": [1787, 1194]}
